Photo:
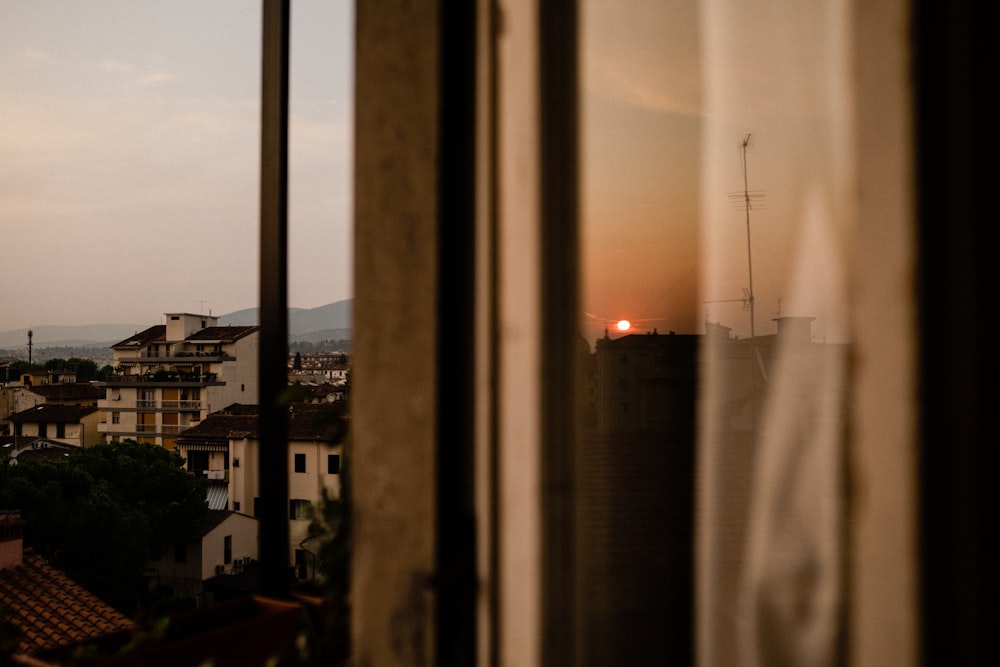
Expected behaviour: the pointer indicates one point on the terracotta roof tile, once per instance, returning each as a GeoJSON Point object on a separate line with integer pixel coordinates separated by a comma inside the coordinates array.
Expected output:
{"type": "Point", "coordinates": [51, 610]}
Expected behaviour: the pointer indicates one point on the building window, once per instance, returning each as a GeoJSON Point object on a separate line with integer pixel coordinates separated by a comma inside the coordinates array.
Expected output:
{"type": "Point", "coordinates": [298, 509]}
{"type": "Point", "coordinates": [197, 461]}
{"type": "Point", "coordinates": [227, 549]}
{"type": "Point", "coordinates": [333, 464]}
{"type": "Point", "coordinates": [236, 463]}
{"type": "Point", "coordinates": [236, 506]}
{"type": "Point", "coordinates": [300, 463]}
{"type": "Point", "coordinates": [116, 418]}
{"type": "Point", "coordinates": [60, 430]}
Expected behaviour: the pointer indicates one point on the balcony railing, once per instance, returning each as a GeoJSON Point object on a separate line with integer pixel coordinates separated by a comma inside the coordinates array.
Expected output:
{"type": "Point", "coordinates": [181, 405]}
{"type": "Point", "coordinates": [176, 357]}
{"type": "Point", "coordinates": [162, 378]}
{"type": "Point", "coordinates": [160, 428]}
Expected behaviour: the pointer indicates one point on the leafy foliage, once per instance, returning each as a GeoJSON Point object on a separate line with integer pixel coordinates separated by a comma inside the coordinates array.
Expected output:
{"type": "Point", "coordinates": [330, 526]}
{"type": "Point", "coordinates": [97, 513]}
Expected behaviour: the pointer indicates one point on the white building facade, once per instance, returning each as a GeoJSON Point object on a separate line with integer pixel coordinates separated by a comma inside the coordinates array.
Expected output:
{"type": "Point", "coordinates": [171, 376]}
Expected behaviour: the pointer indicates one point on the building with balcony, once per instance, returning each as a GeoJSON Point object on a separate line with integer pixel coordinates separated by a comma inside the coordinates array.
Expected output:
{"type": "Point", "coordinates": [225, 448]}
{"type": "Point", "coordinates": [171, 376]}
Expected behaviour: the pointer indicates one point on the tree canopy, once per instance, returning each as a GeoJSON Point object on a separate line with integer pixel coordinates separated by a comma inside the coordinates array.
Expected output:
{"type": "Point", "coordinates": [98, 512]}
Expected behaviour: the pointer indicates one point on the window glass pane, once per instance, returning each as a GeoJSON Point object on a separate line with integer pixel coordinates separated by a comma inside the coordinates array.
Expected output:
{"type": "Point", "coordinates": [717, 188]}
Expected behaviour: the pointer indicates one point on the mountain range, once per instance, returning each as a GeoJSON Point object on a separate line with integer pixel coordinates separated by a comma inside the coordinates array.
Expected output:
{"type": "Point", "coordinates": [334, 321]}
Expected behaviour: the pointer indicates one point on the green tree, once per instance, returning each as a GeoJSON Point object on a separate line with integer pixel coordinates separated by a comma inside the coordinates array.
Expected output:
{"type": "Point", "coordinates": [97, 513]}
{"type": "Point", "coordinates": [56, 364]}
{"type": "Point", "coordinates": [330, 527]}
{"type": "Point", "coordinates": [86, 369]}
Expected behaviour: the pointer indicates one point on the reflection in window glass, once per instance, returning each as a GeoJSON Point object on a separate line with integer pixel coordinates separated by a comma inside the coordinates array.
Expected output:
{"type": "Point", "coordinates": [716, 196]}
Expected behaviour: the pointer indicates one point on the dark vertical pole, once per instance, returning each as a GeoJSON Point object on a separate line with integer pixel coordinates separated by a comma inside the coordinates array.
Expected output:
{"type": "Point", "coordinates": [456, 536]}
{"type": "Point", "coordinates": [557, 28]}
{"type": "Point", "coordinates": [957, 133]}
{"type": "Point", "coordinates": [273, 359]}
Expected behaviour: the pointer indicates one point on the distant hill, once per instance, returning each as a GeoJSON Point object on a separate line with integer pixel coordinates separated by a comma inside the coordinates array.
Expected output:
{"type": "Point", "coordinates": [333, 321]}
{"type": "Point", "coordinates": [93, 335]}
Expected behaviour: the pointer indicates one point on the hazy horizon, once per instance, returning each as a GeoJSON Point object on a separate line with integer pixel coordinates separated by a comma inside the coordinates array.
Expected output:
{"type": "Point", "coordinates": [129, 156]}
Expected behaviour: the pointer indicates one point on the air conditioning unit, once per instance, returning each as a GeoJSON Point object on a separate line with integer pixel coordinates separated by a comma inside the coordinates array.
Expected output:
{"type": "Point", "coordinates": [220, 569]}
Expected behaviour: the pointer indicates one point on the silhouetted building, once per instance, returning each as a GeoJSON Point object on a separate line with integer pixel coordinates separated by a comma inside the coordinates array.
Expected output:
{"type": "Point", "coordinates": [635, 472]}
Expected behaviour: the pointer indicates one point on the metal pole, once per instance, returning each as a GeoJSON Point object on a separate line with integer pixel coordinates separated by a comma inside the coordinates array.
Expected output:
{"type": "Point", "coordinates": [746, 201]}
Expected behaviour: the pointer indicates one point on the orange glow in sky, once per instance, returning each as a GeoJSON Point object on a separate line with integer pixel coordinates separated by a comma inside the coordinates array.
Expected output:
{"type": "Point", "coordinates": [669, 90]}
{"type": "Point", "coordinates": [624, 325]}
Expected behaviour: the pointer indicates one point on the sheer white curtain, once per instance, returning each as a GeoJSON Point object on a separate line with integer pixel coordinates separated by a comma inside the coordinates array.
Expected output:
{"type": "Point", "coordinates": [770, 523]}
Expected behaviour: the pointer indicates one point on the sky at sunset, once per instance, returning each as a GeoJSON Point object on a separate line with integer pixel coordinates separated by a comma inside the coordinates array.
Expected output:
{"type": "Point", "coordinates": [129, 169]}
{"type": "Point", "coordinates": [129, 139]}
{"type": "Point", "coordinates": [670, 88]}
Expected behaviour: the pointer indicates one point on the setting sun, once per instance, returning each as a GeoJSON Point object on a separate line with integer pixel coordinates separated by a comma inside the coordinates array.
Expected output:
{"type": "Point", "coordinates": [624, 325]}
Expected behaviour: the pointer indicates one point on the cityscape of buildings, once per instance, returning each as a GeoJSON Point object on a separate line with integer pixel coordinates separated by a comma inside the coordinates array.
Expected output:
{"type": "Point", "coordinates": [190, 386]}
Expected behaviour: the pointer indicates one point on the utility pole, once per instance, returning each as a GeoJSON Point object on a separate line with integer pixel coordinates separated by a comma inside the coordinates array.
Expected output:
{"type": "Point", "coordinates": [746, 203]}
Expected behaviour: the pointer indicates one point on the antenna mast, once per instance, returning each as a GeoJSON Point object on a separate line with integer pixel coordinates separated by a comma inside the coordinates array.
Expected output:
{"type": "Point", "coordinates": [746, 203]}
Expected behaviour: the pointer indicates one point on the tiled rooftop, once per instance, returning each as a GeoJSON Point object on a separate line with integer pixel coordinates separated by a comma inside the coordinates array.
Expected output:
{"type": "Point", "coordinates": [52, 610]}
{"type": "Point", "coordinates": [67, 391]}
{"type": "Point", "coordinates": [307, 422]}
{"type": "Point", "coordinates": [155, 332]}
{"type": "Point", "coordinates": [228, 333]}
{"type": "Point", "coordinates": [53, 414]}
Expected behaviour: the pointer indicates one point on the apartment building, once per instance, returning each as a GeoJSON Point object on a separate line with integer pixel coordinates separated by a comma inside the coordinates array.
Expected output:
{"type": "Point", "coordinates": [171, 376]}
{"type": "Point", "coordinates": [226, 449]}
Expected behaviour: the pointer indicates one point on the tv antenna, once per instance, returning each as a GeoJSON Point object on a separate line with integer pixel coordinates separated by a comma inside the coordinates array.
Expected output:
{"type": "Point", "coordinates": [748, 199]}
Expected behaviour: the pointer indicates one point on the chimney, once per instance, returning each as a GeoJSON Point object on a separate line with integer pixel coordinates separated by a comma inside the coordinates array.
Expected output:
{"type": "Point", "coordinates": [797, 329]}
{"type": "Point", "coordinates": [11, 538]}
